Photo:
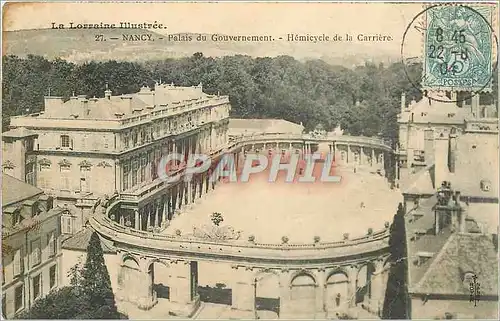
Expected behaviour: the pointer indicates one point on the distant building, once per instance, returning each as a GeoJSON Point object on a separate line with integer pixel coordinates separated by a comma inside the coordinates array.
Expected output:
{"type": "Point", "coordinates": [448, 173]}
{"type": "Point", "coordinates": [83, 149]}
{"type": "Point", "coordinates": [31, 245]}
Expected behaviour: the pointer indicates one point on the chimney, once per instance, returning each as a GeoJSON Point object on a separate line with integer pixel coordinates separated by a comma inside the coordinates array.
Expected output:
{"type": "Point", "coordinates": [452, 152]}
{"type": "Point", "coordinates": [403, 102]}
{"type": "Point", "coordinates": [429, 146]}
{"type": "Point", "coordinates": [53, 104]}
{"type": "Point", "coordinates": [475, 105]}
{"type": "Point", "coordinates": [441, 146]}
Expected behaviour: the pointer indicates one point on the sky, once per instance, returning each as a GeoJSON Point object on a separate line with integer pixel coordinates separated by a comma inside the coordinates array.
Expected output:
{"type": "Point", "coordinates": [275, 19]}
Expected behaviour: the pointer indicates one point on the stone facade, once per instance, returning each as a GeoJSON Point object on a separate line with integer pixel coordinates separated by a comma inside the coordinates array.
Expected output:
{"type": "Point", "coordinates": [31, 246]}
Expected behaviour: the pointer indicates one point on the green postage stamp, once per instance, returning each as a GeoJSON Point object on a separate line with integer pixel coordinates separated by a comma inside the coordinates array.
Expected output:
{"type": "Point", "coordinates": [459, 43]}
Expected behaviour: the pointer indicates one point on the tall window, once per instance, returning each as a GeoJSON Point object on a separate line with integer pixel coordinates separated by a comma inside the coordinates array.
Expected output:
{"type": "Point", "coordinates": [18, 263]}
{"type": "Point", "coordinates": [18, 298]}
{"type": "Point", "coordinates": [126, 173]}
{"type": "Point", "coordinates": [30, 173]}
{"type": "Point", "coordinates": [66, 224]}
{"type": "Point", "coordinates": [65, 169]}
{"type": "Point", "coordinates": [143, 169]}
{"type": "Point", "coordinates": [36, 252]}
{"type": "Point", "coordinates": [37, 286]}
{"type": "Point", "coordinates": [84, 178]}
{"type": "Point", "coordinates": [125, 141]}
{"type": "Point", "coordinates": [52, 276]}
{"type": "Point", "coordinates": [135, 169]}
{"type": "Point", "coordinates": [51, 244]}
{"type": "Point", "coordinates": [64, 141]}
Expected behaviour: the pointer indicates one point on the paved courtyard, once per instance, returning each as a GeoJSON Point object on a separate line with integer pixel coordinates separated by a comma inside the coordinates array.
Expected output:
{"type": "Point", "coordinates": [300, 211]}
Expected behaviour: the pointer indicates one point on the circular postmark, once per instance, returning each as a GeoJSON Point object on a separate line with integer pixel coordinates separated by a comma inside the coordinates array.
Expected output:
{"type": "Point", "coordinates": [454, 47]}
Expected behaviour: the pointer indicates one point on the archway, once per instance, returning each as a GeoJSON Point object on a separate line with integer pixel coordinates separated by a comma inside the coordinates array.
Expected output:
{"type": "Point", "coordinates": [267, 295]}
{"type": "Point", "coordinates": [159, 273]}
{"type": "Point", "coordinates": [337, 291]}
{"type": "Point", "coordinates": [303, 295]}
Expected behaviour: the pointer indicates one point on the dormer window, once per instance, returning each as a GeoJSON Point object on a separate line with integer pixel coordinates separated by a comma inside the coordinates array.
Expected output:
{"type": "Point", "coordinates": [485, 185]}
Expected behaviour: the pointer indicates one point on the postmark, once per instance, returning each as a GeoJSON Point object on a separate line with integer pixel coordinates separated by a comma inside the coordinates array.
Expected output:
{"type": "Point", "coordinates": [458, 50]}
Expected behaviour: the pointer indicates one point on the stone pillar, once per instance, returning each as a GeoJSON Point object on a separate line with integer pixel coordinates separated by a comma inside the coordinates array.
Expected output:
{"type": "Point", "coordinates": [137, 222]}
{"type": "Point", "coordinates": [353, 275]}
{"type": "Point", "coordinates": [361, 155]}
{"type": "Point", "coordinates": [321, 294]}
{"type": "Point", "coordinates": [378, 287]}
{"type": "Point", "coordinates": [348, 153]}
{"type": "Point", "coordinates": [243, 291]}
{"type": "Point", "coordinates": [373, 157]}
{"type": "Point", "coordinates": [157, 217]}
{"type": "Point", "coordinates": [164, 211]}
{"type": "Point", "coordinates": [182, 289]}
{"type": "Point", "coordinates": [148, 213]}
{"type": "Point", "coordinates": [136, 285]}
{"type": "Point", "coordinates": [286, 305]}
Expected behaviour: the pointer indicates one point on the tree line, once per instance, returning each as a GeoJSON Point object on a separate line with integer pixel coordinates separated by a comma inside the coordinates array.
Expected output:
{"type": "Point", "coordinates": [363, 101]}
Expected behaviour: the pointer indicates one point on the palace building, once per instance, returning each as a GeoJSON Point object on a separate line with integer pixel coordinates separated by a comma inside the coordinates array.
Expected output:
{"type": "Point", "coordinates": [97, 158]}
{"type": "Point", "coordinates": [85, 148]}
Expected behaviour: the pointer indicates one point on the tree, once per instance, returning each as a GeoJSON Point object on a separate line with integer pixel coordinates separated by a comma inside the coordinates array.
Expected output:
{"type": "Point", "coordinates": [95, 284]}
{"type": "Point", "coordinates": [396, 295]}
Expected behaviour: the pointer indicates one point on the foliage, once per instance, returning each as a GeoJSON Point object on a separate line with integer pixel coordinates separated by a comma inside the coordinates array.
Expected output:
{"type": "Point", "coordinates": [88, 297]}
{"type": "Point", "coordinates": [396, 295]}
{"type": "Point", "coordinates": [311, 92]}
{"type": "Point", "coordinates": [216, 218]}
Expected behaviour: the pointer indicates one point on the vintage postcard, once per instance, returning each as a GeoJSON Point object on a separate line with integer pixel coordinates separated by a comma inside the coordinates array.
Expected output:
{"type": "Point", "coordinates": [250, 160]}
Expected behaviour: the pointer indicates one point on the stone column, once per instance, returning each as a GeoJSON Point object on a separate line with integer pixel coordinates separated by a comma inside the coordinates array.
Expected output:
{"type": "Point", "coordinates": [373, 157]}
{"type": "Point", "coordinates": [348, 153]}
{"type": "Point", "coordinates": [182, 287]}
{"type": "Point", "coordinates": [137, 223]}
{"type": "Point", "coordinates": [243, 291]}
{"type": "Point", "coordinates": [157, 217]}
{"type": "Point", "coordinates": [148, 213]}
{"type": "Point", "coordinates": [137, 285]}
{"type": "Point", "coordinates": [377, 287]}
{"type": "Point", "coordinates": [361, 155]}
{"type": "Point", "coordinates": [321, 294]}
{"type": "Point", "coordinates": [353, 275]}
{"type": "Point", "coordinates": [164, 211]}
{"type": "Point", "coordinates": [286, 306]}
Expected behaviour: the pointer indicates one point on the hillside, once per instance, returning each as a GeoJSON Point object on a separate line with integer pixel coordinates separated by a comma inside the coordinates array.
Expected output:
{"type": "Point", "coordinates": [81, 45]}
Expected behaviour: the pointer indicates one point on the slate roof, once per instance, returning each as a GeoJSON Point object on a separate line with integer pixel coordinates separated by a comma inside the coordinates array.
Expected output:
{"type": "Point", "coordinates": [19, 132]}
{"type": "Point", "coordinates": [80, 242]}
{"type": "Point", "coordinates": [435, 112]}
{"type": "Point", "coordinates": [14, 190]}
{"type": "Point", "coordinates": [462, 253]}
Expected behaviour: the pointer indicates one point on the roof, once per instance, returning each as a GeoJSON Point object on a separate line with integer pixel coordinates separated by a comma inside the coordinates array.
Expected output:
{"type": "Point", "coordinates": [80, 242]}
{"type": "Point", "coordinates": [19, 132]}
{"type": "Point", "coordinates": [422, 183]}
{"type": "Point", "coordinates": [477, 156]}
{"type": "Point", "coordinates": [14, 190]}
{"type": "Point", "coordinates": [462, 253]}
{"type": "Point", "coordinates": [432, 111]}
{"type": "Point", "coordinates": [264, 126]}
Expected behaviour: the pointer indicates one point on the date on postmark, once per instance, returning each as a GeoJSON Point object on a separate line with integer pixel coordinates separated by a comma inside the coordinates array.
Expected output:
{"type": "Point", "coordinates": [459, 51]}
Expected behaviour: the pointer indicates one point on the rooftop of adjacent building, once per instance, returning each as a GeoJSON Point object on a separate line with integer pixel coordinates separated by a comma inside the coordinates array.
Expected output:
{"type": "Point", "coordinates": [119, 107]}
{"type": "Point", "coordinates": [442, 263]}
{"type": "Point", "coordinates": [438, 108]}
{"type": "Point", "coordinates": [248, 126]}
{"type": "Point", "coordinates": [475, 173]}
{"type": "Point", "coordinates": [14, 190]}
{"type": "Point", "coordinates": [80, 241]}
